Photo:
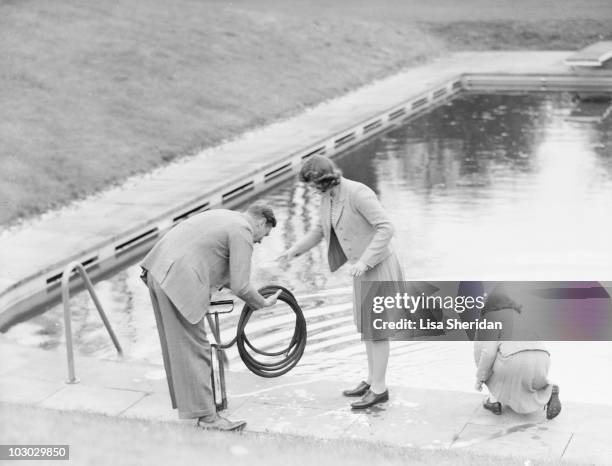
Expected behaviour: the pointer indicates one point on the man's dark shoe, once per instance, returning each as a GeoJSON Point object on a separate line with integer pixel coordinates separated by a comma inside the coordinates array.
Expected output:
{"type": "Point", "coordinates": [359, 390]}
{"type": "Point", "coordinates": [216, 422]}
{"type": "Point", "coordinates": [495, 408]}
{"type": "Point", "coordinates": [553, 407]}
{"type": "Point", "coordinates": [370, 399]}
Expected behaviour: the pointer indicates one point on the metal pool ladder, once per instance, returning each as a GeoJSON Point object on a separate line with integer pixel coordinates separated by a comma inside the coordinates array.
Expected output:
{"type": "Point", "coordinates": [68, 315]}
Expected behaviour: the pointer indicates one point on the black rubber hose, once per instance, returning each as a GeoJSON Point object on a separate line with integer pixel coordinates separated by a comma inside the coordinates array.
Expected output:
{"type": "Point", "coordinates": [293, 352]}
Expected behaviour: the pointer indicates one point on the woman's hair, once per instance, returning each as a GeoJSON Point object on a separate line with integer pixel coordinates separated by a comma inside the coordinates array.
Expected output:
{"type": "Point", "coordinates": [321, 171]}
{"type": "Point", "coordinates": [498, 300]}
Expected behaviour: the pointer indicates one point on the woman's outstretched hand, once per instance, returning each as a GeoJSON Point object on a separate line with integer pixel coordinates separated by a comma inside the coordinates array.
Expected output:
{"type": "Point", "coordinates": [287, 255]}
{"type": "Point", "coordinates": [358, 269]}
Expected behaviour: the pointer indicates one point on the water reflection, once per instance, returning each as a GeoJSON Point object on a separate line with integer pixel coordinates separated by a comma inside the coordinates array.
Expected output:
{"type": "Point", "coordinates": [489, 187]}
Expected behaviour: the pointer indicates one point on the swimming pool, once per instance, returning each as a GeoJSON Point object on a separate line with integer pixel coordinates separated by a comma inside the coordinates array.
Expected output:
{"type": "Point", "coordinates": [487, 187]}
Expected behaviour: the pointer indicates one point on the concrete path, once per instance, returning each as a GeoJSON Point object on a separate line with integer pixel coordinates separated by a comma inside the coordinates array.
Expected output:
{"type": "Point", "coordinates": [427, 419]}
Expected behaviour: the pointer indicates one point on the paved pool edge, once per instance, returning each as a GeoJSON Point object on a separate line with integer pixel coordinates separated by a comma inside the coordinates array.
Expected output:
{"type": "Point", "coordinates": [426, 419]}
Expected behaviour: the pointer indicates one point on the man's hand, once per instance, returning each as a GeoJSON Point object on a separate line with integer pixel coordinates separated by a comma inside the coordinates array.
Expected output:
{"type": "Point", "coordinates": [271, 300]}
{"type": "Point", "coordinates": [287, 255]}
{"type": "Point", "coordinates": [478, 385]}
{"type": "Point", "coordinates": [358, 269]}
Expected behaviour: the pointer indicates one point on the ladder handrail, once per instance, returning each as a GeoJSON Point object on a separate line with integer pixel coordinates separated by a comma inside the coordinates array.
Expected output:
{"type": "Point", "coordinates": [68, 315]}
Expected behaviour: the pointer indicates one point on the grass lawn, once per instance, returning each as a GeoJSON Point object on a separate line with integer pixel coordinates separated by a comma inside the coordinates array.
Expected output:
{"type": "Point", "coordinates": [98, 440]}
{"type": "Point", "coordinates": [92, 92]}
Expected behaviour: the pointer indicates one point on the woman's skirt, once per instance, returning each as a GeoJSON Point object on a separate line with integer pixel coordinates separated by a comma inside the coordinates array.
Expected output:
{"type": "Point", "coordinates": [520, 380]}
{"type": "Point", "coordinates": [389, 270]}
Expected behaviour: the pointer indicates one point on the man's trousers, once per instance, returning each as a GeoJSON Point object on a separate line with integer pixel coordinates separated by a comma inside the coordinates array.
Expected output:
{"type": "Point", "coordinates": [187, 356]}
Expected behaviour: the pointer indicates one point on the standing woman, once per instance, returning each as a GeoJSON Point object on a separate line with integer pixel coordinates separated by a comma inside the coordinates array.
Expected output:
{"type": "Point", "coordinates": [356, 229]}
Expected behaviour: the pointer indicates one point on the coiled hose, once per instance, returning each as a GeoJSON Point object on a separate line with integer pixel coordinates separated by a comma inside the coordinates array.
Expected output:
{"type": "Point", "coordinates": [292, 354]}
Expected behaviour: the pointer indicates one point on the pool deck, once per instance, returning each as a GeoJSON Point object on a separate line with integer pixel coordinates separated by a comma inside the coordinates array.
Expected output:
{"type": "Point", "coordinates": [304, 406]}
{"type": "Point", "coordinates": [32, 253]}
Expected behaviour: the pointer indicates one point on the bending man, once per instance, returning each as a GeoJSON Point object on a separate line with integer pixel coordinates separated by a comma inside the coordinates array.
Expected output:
{"type": "Point", "coordinates": [207, 251]}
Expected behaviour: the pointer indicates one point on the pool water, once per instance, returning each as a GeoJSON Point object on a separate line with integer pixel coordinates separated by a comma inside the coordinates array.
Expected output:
{"type": "Point", "coordinates": [487, 187]}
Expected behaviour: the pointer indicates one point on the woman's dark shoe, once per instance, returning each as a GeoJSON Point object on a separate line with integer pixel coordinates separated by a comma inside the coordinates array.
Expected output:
{"type": "Point", "coordinates": [495, 408]}
{"type": "Point", "coordinates": [553, 407]}
{"type": "Point", "coordinates": [370, 399]}
{"type": "Point", "coordinates": [359, 390]}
